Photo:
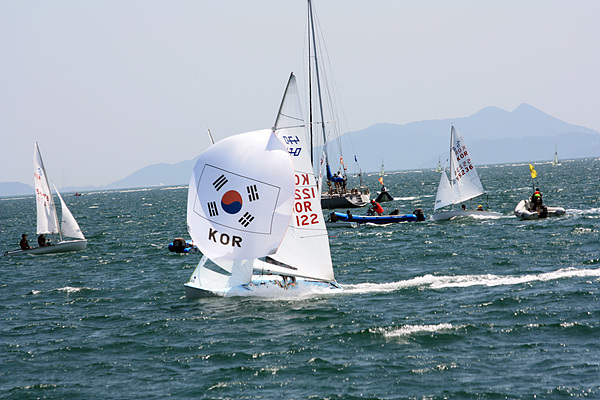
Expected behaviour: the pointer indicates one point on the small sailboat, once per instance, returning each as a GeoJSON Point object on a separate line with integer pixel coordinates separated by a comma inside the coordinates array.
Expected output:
{"type": "Point", "coordinates": [383, 195]}
{"type": "Point", "coordinates": [464, 184]}
{"type": "Point", "coordinates": [555, 160]}
{"type": "Point", "coordinates": [254, 211]}
{"type": "Point", "coordinates": [47, 217]}
{"type": "Point", "coordinates": [439, 166]}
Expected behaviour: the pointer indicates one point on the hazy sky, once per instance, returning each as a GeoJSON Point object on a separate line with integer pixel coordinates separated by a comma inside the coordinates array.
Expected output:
{"type": "Point", "coordinates": [108, 87]}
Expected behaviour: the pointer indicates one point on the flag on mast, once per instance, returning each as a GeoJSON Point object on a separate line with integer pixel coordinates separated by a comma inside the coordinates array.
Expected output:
{"type": "Point", "coordinates": [533, 172]}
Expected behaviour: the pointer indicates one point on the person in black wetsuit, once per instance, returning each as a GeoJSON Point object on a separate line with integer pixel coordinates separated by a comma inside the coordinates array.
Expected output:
{"type": "Point", "coordinates": [24, 243]}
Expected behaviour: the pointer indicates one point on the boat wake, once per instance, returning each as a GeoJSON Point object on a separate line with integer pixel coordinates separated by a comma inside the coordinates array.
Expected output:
{"type": "Point", "coordinates": [441, 282]}
{"type": "Point", "coordinates": [304, 292]}
{"type": "Point", "coordinates": [405, 198]}
{"type": "Point", "coordinates": [591, 211]}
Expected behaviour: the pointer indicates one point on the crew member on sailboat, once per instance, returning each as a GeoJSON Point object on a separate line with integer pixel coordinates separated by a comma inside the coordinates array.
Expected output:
{"type": "Point", "coordinates": [24, 243]}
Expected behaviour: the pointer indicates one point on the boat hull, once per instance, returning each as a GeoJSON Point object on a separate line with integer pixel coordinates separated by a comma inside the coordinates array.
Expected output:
{"type": "Point", "coordinates": [60, 247]}
{"type": "Point", "coordinates": [383, 197]}
{"type": "Point", "coordinates": [373, 219]}
{"type": "Point", "coordinates": [267, 284]}
{"type": "Point", "coordinates": [523, 211]}
{"type": "Point", "coordinates": [446, 215]}
{"type": "Point", "coordinates": [346, 200]}
{"type": "Point", "coordinates": [341, 224]}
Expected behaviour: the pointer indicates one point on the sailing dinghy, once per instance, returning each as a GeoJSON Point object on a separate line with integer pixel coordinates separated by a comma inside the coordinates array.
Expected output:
{"type": "Point", "coordinates": [555, 159]}
{"type": "Point", "coordinates": [47, 217]}
{"type": "Point", "coordinates": [464, 184]}
{"type": "Point", "coordinates": [254, 211]}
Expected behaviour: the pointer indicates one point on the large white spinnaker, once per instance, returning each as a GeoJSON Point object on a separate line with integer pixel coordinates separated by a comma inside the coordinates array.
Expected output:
{"type": "Point", "coordinates": [304, 251]}
{"type": "Point", "coordinates": [241, 196]}
{"type": "Point", "coordinates": [47, 220]}
{"type": "Point", "coordinates": [68, 225]}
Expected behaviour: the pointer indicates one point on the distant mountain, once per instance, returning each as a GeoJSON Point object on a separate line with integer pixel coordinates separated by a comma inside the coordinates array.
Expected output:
{"type": "Point", "coordinates": [493, 136]}
{"type": "Point", "coordinates": [157, 175]}
{"type": "Point", "coordinates": [15, 189]}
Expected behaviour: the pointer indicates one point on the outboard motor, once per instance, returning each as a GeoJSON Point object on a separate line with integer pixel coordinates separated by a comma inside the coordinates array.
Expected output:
{"type": "Point", "coordinates": [543, 212]}
{"type": "Point", "coordinates": [420, 214]}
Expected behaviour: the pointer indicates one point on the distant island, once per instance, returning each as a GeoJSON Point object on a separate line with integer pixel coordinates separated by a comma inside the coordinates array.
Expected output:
{"type": "Point", "coordinates": [496, 136]}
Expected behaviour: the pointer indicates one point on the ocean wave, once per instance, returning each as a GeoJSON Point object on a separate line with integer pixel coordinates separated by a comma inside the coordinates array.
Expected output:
{"type": "Point", "coordinates": [410, 330]}
{"type": "Point", "coordinates": [70, 289]}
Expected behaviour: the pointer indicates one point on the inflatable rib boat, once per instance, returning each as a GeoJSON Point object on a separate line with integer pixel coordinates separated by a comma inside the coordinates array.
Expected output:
{"type": "Point", "coordinates": [395, 217]}
{"type": "Point", "coordinates": [525, 211]}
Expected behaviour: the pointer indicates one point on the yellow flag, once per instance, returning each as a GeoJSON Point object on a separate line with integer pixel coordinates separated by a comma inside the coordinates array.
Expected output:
{"type": "Point", "coordinates": [532, 170]}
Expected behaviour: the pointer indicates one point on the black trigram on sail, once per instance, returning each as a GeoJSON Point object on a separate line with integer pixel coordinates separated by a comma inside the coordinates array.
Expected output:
{"type": "Point", "coordinates": [218, 184]}
{"type": "Point", "coordinates": [212, 209]}
{"type": "Point", "coordinates": [252, 192]}
{"type": "Point", "coordinates": [246, 219]}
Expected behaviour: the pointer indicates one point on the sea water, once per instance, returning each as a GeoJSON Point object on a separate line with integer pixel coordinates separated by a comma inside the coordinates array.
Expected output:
{"type": "Point", "coordinates": [462, 309]}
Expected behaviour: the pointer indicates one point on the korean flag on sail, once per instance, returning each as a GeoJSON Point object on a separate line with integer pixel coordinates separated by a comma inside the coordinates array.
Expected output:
{"type": "Point", "coordinates": [235, 201]}
{"type": "Point", "coordinates": [241, 197]}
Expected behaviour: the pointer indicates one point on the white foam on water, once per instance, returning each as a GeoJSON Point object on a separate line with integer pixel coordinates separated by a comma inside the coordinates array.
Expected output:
{"type": "Point", "coordinates": [404, 331]}
{"type": "Point", "coordinates": [440, 282]}
{"type": "Point", "coordinates": [405, 198]}
{"type": "Point", "coordinates": [70, 289]}
{"type": "Point", "coordinates": [408, 330]}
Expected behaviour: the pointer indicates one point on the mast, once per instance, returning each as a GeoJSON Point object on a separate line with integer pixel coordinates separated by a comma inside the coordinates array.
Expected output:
{"type": "Point", "coordinates": [310, 116]}
{"type": "Point", "coordinates": [451, 141]}
{"type": "Point", "coordinates": [312, 36]}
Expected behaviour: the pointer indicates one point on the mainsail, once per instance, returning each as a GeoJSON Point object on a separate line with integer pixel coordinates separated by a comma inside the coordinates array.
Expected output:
{"type": "Point", "coordinates": [305, 250]}
{"type": "Point", "coordinates": [464, 183]}
{"type": "Point", "coordinates": [47, 220]}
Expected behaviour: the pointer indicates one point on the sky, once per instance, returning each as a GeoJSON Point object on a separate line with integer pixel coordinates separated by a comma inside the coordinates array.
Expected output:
{"type": "Point", "coordinates": [109, 87]}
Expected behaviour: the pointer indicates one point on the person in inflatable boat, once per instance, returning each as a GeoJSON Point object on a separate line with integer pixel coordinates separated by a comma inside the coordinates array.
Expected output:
{"type": "Point", "coordinates": [536, 200]}
{"type": "Point", "coordinates": [376, 207]}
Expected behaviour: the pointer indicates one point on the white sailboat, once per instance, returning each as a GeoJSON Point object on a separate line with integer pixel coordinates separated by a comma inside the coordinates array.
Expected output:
{"type": "Point", "coordinates": [47, 217]}
{"type": "Point", "coordinates": [464, 184]}
{"type": "Point", "coordinates": [439, 166]}
{"type": "Point", "coordinates": [555, 160]}
{"type": "Point", "coordinates": [254, 211]}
